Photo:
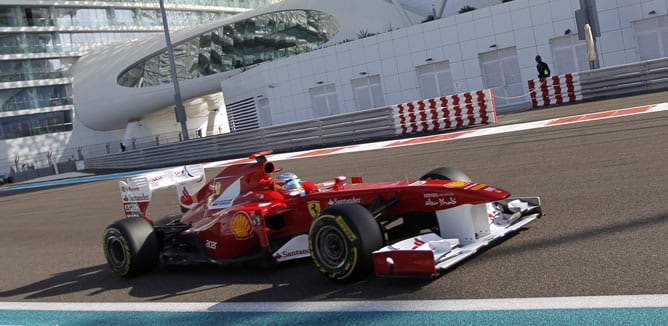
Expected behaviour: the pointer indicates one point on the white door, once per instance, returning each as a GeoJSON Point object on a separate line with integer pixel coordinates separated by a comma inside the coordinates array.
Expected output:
{"type": "Point", "coordinates": [651, 37]}
{"type": "Point", "coordinates": [368, 92]}
{"type": "Point", "coordinates": [435, 79]}
{"type": "Point", "coordinates": [501, 72]}
{"type": "Point", "coordinates": [324, 101]}
{"type": "Point", "coordinates": [569, 54]}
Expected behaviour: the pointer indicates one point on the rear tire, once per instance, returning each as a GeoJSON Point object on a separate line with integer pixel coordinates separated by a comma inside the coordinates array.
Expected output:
{"type": "Point", "coordinates": [131, 247]}
{"type": "Point", "coordinates": [167, 220]}
{"type": "Point", "coordinates": [446, 173]}
{"type": "Point", "coordinates": [342, 239]}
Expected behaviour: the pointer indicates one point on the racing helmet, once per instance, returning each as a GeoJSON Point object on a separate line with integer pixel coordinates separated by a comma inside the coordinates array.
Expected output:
{"type": "Point", "coordinates": [284, 177]}
{"type": "Point", "coordinates": [290, 183]}
{"type": "Point", "coordinates": [295, 187]}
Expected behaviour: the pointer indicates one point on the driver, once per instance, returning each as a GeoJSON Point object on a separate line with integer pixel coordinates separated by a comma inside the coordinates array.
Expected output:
{"type": "Point", "coordinates": [290, 183]}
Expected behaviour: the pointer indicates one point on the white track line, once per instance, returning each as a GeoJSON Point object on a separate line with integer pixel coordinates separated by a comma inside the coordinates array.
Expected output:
{"type": "Point", "coordinates": [585, 302]}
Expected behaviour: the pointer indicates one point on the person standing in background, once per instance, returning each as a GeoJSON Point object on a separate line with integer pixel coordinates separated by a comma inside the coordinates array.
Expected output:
{"type": "Point", "coordinates": [542, 67]}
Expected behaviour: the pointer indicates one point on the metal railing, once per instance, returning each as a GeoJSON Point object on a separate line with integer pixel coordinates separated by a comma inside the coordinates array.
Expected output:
{"type": "Point", "coordinates": [628, 79]}
{"type": "Point", "coordinates": [340, 129]}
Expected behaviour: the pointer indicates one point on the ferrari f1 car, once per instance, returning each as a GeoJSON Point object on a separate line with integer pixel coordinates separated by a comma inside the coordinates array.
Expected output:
{"type": "Point", "coordinates": [349, 228]}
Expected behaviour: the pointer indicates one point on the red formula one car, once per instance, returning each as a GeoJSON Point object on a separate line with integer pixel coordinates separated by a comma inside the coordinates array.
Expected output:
{"type": "Point", "coordinates": [247, 214]}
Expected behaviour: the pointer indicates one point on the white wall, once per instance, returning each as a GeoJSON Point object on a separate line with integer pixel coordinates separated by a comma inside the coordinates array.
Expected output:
{"type": "Point", "coordinates": [526, 25]}
{"type": "Point", "coordinates": [617, 44]}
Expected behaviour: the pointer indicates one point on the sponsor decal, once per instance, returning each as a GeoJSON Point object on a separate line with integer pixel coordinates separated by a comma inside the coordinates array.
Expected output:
{"type": "Point", "coordinates": [155, 179]}
{"type": "Point", "coordinates": [131, 210]}
{"type": "Point", "coordinates": [455, 184]}
{"type": "Point", "coordinates": [124, 188]}
{"type": "Point", "coordinates": [221, 203]}
{"type": "Point", "coordinates": [135, 198]}
{"type": "Point", "coordinates": [225, 197]}
{"type": "Point", "coordinates": [184, 174]}
{"type": "Point", "coordinates": [313, 208]}
{"type": "Point", "coordinates": [492, 189]}
{"type": "Point", "coordinates": [346, 229]}
{"type": "Point", "coordinates": [441, 202]}
{"type": "Point", "coordinates": [336, 201]}
{"type": "Point", "coordinates": [436, 195]}
{"type": "Point", "coordinates": [241, 226]}
{"type": "Point", "coordinates": [292, 253]}
{"type": "Point", "coordinates": [418, 183]}
{"type": "Point", "coordinates": [186, 199]}
{"type": "Point", "coordinates": [211, 244]}
{"type": "Point", "coordinates": [217, 188]}
{"type": "Point", "coordinates": [479, 186]}
{"type": "Point", "coordinates": [417, 242]}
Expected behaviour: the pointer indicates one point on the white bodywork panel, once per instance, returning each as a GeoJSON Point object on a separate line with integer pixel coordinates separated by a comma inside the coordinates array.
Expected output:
{"type": "Point", "coordinates": [464, 230]}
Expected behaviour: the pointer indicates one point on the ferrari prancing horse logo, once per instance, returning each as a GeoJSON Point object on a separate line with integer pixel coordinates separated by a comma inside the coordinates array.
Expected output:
{"type": "Point", "coordinates": [314, 208]}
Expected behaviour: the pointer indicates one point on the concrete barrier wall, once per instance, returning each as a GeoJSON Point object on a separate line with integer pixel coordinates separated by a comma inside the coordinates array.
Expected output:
{"type": "Point", "coordinates": [430, 115]}
{"type": "Point", "coordinates": [623, 80]}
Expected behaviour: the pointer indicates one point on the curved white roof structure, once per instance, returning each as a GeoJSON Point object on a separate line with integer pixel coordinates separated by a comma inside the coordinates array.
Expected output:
{"type": "Point", "coordinates": [103, 104]}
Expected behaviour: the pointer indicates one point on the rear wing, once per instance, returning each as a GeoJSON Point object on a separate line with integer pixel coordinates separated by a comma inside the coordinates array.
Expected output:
{"type": "Point", "coordinates": [136, 191]}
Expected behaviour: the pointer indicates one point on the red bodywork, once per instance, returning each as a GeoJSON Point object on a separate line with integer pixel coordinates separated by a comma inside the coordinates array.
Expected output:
{"type": "Point", "coordinates": [240, 213]}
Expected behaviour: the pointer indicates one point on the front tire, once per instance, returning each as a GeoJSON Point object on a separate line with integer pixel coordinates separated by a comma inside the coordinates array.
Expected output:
{"type": "Point", "coordinates": [131, 247]}
{"type": "Point", "coordinates": [342, 239]}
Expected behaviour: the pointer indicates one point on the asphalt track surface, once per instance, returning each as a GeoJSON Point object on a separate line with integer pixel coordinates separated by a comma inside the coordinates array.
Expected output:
{"type": "Point", "coordinates": [604, 185]}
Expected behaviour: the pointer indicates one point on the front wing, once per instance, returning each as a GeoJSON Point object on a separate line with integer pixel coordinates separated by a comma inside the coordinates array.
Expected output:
{"type": "Point", "coordinates": [462, 235]}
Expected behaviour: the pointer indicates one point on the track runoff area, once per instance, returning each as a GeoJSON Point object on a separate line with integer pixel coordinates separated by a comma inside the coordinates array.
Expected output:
{"type": "Point", "coordinates": [596, 310]}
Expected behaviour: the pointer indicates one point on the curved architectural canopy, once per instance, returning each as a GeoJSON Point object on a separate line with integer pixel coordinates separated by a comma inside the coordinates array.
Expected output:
{"type": "Point", "coordinates": [237, 45]}
{"type": "Point", "coordinates": [122, 83]}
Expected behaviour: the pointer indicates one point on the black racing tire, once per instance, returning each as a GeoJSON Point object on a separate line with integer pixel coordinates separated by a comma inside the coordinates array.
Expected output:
{"type": "Point", "coordinates": [446, 173]}
{"type": "Point", "coordinates": [131, 247]}
{"type": "Point", "coordinates": [167, 219]}
{"type": "Point", "coordinates": [342, 239]}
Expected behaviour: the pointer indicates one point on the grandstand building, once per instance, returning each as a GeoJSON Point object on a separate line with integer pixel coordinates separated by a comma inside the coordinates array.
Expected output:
{"type": "Point", "coordinates": [40, 41]}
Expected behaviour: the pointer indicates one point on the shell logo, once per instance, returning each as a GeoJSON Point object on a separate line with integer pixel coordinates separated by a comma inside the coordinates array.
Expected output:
{"type": "Point", "coordinates": [241, 226]}
{"type": "Point", "coordinates": [218, 188]}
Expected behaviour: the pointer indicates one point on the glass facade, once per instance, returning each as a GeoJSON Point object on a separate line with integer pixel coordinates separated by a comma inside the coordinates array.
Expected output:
{"type": "Point", "coordinates": [39, 44]}
{"type": "Point", "coordinates": [32, 69]}
{"type": "Point", "coordinates": [33, 97]}
{"type": "Point", "coordinates": [35, 124]}
{"type": "Point", "coordinates": [238, 45]}
{"type": "Point", "coordinates": [16, 16]}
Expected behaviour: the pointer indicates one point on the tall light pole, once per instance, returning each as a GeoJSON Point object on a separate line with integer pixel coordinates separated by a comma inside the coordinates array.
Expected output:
{"type": "Point", "coordinates": [179, 110]}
